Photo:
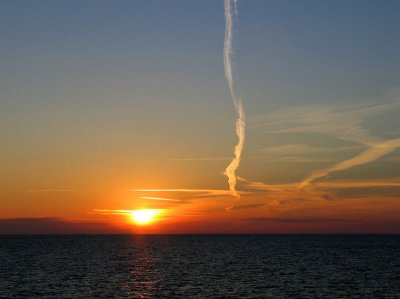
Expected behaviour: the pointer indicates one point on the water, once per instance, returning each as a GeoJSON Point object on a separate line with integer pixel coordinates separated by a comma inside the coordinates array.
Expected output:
{"type": "Point", "coordinates": [200, 266]}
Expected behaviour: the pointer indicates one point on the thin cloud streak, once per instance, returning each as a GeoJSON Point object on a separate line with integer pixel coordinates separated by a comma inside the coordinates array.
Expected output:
{"type": "Point", "coordinates": [210, 192]}
{"type": "Point", "coordinates": [51, 190]}
{"type": "Point", "coordinates": [369, 155]}
{"type": "Point", "coordinates": [357, 184]}
{"type": "Point", "coordinates": [111, 212]}
{"type": "Point", "coordinates": [299, 160]}
{"type": "Point", "coordinates": [304, 149]}
{"type": "Point", "coordinates": [159, 198]}
{"type": "Point", "coordinates": [180, 190]}
{"type": "Point", "coordinates": [244, 207]}
{"type": "Point", "coordinates": [203, 159]}
{"type": "Point", "coordinates": [343, 122]}
{"type": "Point", "coordinates": [328, 185]}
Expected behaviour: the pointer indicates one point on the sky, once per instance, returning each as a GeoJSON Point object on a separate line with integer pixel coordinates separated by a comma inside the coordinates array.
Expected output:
{"type": "Point", "coordinates": [108, 107]}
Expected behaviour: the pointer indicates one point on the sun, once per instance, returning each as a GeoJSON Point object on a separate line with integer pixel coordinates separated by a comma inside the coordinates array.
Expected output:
{"type": "Point", "coordinates": [143, 217]}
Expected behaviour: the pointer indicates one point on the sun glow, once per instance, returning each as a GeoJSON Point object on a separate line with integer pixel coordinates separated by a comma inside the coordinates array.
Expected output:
{"type": "Point", "coordinates": [143, 217]}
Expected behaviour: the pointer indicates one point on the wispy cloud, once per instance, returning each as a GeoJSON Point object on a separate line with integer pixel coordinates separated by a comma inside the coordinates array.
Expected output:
{"type": "Point", "coordinates": [344, 122]}
{"type": "Point", "coordinates": [243, 207]}
{"type": "Point", "coordinates": [111, 212]}
{"type": "Point", "coordinates": [200, 192]}
{"type": "Point", "coordinates": [358, 184]}
{"type": "Point", "coordinates": [300, 160]}
{"type": "Point", "coordinates": [203, 159]}
{"type": "Point", "coordinates": [294, 187]}
{"type": "Point", "coordinates": [159, 198]}
{"type": "Point", "coordinates": [303, 153]}
{"type": "Point", "coordinates": [304, 149]}
{"type": "Point", "coordinates": [51, 190]}
{"type": "Point", "coordinates": [373, 153]}
{"type": "Point", "coordinates": [268, 187]}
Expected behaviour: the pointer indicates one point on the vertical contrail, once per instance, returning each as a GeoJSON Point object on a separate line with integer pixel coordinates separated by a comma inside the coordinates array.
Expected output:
{"type": "Point", "coordinates": [230, 171]}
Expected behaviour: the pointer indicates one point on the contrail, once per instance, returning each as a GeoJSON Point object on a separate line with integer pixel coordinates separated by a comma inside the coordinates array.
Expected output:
{"type": "Point", "coordinates": [230, 171]}
{"type": "Point", "coordinates": [369, 155]}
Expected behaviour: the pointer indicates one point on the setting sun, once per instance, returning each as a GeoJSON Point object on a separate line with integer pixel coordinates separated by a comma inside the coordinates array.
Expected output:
{"type": "Point", "coordinates": [143, 217]}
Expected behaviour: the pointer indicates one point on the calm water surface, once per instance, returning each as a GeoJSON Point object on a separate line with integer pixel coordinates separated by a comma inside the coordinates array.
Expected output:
{"type": "Point", "coordinates": [200, 266]}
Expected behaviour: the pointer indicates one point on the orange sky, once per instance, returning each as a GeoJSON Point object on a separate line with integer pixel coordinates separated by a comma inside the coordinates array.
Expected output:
{"type": "Point", "coordinates": [264, 209]}
{"type": "Point", "coordinates": [106, 109]}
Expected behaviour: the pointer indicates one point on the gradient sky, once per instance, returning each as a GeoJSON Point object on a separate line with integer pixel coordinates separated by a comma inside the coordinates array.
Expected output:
{"type": "Point", "coordinates": [99, 99]}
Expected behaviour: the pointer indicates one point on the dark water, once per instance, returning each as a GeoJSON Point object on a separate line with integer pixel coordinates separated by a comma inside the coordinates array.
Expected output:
{"type": "Point", "coordinates": [216, 266]}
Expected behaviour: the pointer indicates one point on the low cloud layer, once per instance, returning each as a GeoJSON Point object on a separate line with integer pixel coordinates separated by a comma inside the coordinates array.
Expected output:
{"type": "Point", "coordinates": [53, 225]}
